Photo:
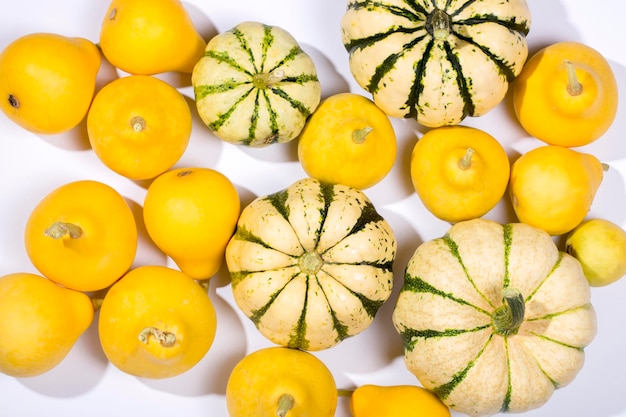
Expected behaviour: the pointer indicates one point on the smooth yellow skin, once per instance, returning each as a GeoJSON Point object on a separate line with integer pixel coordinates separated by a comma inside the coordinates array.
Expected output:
{"type": "Point", "coordinates": [396, 401]}
{"type": "Point", "coordinates": [545, 108]}
{"type": "Point", "coordinates": [449, 189]}
{"type": "Point", "coordinates": [47, 81]}
{"type": "Point", "coordinates": [258, 381]}
{"type": "Point", "coordinates": [191, 214]}
{"type": "Point", "coordinates": [600, 246]}
{"type": "Point", "coordinates": [40, 322]}
{"type": "Point", "coordinates": [139, 126]}
{"type": "Point", "coordinates": [104, 251]}
{"type": "Point", "coordinates": [150, 37]}
{"type": "Point", "coordinates": [160, 298]}
{"type": "Point", "coordinates": [329, 152]}
{"type": "Point", "coordinates": [553, 187]}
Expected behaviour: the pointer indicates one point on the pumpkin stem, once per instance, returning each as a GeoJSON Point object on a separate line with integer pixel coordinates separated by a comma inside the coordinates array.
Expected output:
{"type": "Point", "coordinates": [359, 135]}
{"type": "Point", "coordinates": [59, 229]}
{"type": "Point", "coordinates": [266, 80]}
{"type": "Point", "coordinates": [439, 26]}
{"type": "Point", "coordinates": [466, 161]}
{"type": "Point", "coordinates": [285, 403]}
{"type": "Point", "coordinates": [310, 263]}
{"type": "Point", "coordinates": [509, 316]}
{"type": "Point", "coordinates": [166, 339]}
{"type": "Point", "coordinates": [574, 87]}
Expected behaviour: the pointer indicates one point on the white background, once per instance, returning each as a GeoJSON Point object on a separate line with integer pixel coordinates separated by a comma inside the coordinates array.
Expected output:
{"type": "Point", "coordinates": [32, 165]}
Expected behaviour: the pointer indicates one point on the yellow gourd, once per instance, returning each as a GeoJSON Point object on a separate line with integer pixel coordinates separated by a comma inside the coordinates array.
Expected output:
{"type": "Point", "coordinates": [552, 187]}
{"type": "Point", "coordinates": [150, 37]}
{"type": "Point", "coordinates": [156, 322]}
{"type": "Point", "coordinates": [47, 81]}
{"type": "Point", "coordinates": [40, 322]}
{"type": "Point", "coordinates": [566, 95]}
{"type": "Point", "coordinates": [459, 172]}
{"type": "Point", "coordinates": [348, 140]}
{"type": "Point", "coordinates": [82, 235]}
{"type": "Point", "coordinates": [396, 401]}
{"type": "Point", "coordinates": [283, 382]}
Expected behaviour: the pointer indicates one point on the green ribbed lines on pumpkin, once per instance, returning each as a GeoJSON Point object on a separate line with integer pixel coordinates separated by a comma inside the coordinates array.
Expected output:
{"type": "Point", "coordinates": [311, 265]}
{"type": "Point", "coordinates": [496, 306]}
{"type": "Point", "coordinates": [437, 62]}
{"type": "Point", "coordinates": [255, 86]}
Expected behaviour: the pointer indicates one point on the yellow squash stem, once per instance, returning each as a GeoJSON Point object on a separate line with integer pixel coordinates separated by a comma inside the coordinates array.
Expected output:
{"type": "Point", "coordinates": [138, 123]}
{"type": "Point", "coordinates": [60, 229]}
{"type": "Point", "coordinates": [285, 403]}
{"type": "Point", "coordinates": [574, 87]}
{"type": "Point", "coordinates": [166, 339]}
{"type": "Point", "coordinates": [466, 161]}
{"type": "Point", "coordinates": [359, 135]}
{"type": "Point", "coordinates": [510, 315]}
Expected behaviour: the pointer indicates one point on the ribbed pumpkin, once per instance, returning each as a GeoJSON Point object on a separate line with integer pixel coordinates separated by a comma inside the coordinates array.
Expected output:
{"type": "Point", "coordinates": [255, 86]}
{"type": "Point", "coordinates": [436, 61]}
{"type": "Point", "coordinates": [311, 264]}
{"type": "Point", "coordinates": [494, 317]}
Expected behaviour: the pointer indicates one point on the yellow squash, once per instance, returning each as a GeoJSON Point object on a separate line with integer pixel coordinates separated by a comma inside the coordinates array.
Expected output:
{"type": "Point", "coordinates": [40, 322]}
{"type": "Point", "coordinates": [283, 382]}
{"type": "Point", "coordinates": [459, 172]}
{"type": "Point", "coordinates": [82, 235]}
{"type": "Point", "coordinates": [396, 401]}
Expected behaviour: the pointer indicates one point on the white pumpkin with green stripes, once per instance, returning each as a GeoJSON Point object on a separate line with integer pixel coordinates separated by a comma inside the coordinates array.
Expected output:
{"type": "Point", "coordinates": [494, 317]}
{"type": "Point", "coordinates": [255, 86]}
{"type": "Point", "coordinates": [311, 264]}
{"type": "Point", "coordinates": [436, 61]}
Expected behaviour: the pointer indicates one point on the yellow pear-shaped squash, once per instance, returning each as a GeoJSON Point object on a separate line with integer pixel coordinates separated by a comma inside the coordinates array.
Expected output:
{"type": "Point", "coordinates": [40, 322]}
{"type": "Point", "coordinates": [150, 37]}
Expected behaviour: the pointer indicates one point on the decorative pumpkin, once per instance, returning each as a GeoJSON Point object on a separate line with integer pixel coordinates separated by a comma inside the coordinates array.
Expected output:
{"type": "Point", "coordinates": [494, 317]}
{"type": "Point", "coordinates": [311, 264]}
{"type": "Point", "coordinates": [255, 86]}
{"type": "Point", "coordinates": [438, 61]}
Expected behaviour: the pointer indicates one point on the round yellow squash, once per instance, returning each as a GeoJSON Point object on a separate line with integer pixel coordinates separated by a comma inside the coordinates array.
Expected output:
{"type": "Point", "coordinates": [494, 317]}
{"type": "Point", "coordinates": [311, 264]}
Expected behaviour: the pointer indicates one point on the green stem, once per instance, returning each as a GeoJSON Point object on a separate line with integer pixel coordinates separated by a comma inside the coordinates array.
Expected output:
{"type": "Point", "coordinates": [60, 229]}
{"type": "Point", "coordinates": [342, 392]}
{"type": "Point", "coordinates": [359, 135]}
{"type": "Point", "coordinates": [574, 87]}
{"type": "Point", "coordinates": [510, 315]}
{"type": "Point", "coordinates": [440, 24]}
{"type": "Point", "coordinates": [265, 80]}
{"type": "Point", "coordinates": [466, 161]}
{"type": "Point", "coordinates": [166, 339]}
{"type": "Point", "coordinates": [285, 403]}
{"type": "Point", "coordinates": [310, 263]}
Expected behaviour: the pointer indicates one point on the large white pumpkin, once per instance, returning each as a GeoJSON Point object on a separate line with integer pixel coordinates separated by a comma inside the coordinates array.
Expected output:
{"type": "Point", "coordinates": [494, 317]}
{"type": "Point", "coordinates": [436, 61]}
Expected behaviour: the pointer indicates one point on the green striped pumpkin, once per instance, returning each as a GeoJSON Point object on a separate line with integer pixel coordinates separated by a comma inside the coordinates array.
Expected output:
{"type": "Point", "coordinates": [311, 264]}
{"type": "Point", "coordinates": [255, 86]}
{"type": "Point", "coordinates": [494, 317]}
{"type": "Point", "coordinates": [436, 61]}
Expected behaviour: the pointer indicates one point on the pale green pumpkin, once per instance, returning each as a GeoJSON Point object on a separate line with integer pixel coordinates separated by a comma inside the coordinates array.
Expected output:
{"type": "Point", "coordinates": [311, 264]}
{"type": "Point", "coordinates": [494, 317]}
{"type": "Point", "coordinates": [436, 61]}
